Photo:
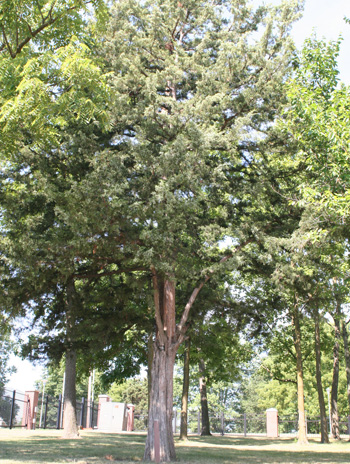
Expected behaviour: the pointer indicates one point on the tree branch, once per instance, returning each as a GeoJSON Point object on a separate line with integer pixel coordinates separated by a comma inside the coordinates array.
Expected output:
{"type": "Point", "coordinates": [181, 326]}
{"type": "Point", "coordinates": [277, 378]}
{"type": "Point", "coordinates": [158, 318]}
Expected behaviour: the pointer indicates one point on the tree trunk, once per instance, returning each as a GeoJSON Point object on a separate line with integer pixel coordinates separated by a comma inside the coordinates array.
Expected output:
{"type": "Point", "coordinates": [169, 336]}
{"type": "Point", "coordinates": [161, 405]}
{"type": "Point", "coordinates": [302, 437]}
{"type": "Point", "coordinates": [70, 426]}
{"type": "Point", "coordinates": [324, 431]}
{"type": "Point", "coordinates": [335, 379]}
{"type": "Point", "coordinates": [149, 366]}
{"type": "Point", "coordinates": [204, 400]}
{"type": "Point", "coordinates": [185, 388]}
{"type": "Point", "coordinates": [347, 359]}
{"type": "Point", "coordinates": [161, 400]}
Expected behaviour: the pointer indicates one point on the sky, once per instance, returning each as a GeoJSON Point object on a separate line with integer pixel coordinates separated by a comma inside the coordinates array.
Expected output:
{"type": "Point", "coordinates": [325, 18]}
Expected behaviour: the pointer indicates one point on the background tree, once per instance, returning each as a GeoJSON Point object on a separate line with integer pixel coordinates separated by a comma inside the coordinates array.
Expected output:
{"type": "Point", "coordinates": [317, 119]}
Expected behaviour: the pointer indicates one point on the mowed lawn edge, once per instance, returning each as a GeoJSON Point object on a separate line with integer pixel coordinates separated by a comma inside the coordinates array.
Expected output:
{"type": "Point", "coordinates": [46, 447]}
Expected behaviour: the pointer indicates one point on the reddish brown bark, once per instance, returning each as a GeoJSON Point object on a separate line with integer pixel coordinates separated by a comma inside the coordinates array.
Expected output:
{"type": "Point", "coordinates": [161, 404]}
{"type": "Point", "coordinates": [161, 397]}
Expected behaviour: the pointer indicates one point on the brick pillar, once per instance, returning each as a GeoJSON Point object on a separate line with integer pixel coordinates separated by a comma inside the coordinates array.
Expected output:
{"type": "Point", "coordinates": [30, 409]}
{"type": "Point", "coordinates": [272, 423]}
{"type": "Point", "coordinates": [101, 399]}
{"type": "Point", "coordinates": [130, 423]}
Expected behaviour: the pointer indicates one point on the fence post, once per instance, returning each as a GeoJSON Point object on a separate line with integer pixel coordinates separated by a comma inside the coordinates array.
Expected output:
{"type": "Point", "coordinates": [199, 423]}
{"type": "Point", "coordinates": [58, 421]}
{"type": "Point", "coordinates": [245, 424]}
{"type": "Point", "coordinates": [12, 407]}
{"type": "Point", "coordinates": [82, 412]}
{"type": "Point", "coordinates": [222, 423]}
{"type": "Point", "coordinates": [92, 415]}
{"type": "Point", "coordinates": [46, 408]}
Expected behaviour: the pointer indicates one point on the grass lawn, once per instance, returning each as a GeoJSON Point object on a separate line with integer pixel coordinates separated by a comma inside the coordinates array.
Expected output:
{"type": "Point", "coordinates": [37, 447]}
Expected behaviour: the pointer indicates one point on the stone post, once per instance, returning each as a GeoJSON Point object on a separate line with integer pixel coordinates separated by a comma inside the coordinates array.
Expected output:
{"type": "Point", "coordinates": [101, 399]}
{"type": "Point", "coordinates": [272, 423]}
{"type": "Point", "coordinates": [130, 423]}
{"type": "Point", "coordinates": [30, 409]}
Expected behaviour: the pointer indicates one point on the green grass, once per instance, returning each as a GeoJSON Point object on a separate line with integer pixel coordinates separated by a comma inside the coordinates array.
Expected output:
{"type": "Point", "coordinates": [46, 447]}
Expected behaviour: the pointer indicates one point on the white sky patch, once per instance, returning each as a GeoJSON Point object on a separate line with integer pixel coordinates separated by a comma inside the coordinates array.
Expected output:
{"type": "Point", "coordinates": [25, 377]}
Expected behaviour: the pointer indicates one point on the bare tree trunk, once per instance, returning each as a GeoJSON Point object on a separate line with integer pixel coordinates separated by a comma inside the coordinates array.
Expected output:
{"type": "Point", "coordinates": [335, 379]}
{"type": "Point", "coordinates": [169, 336]}
{"type": "Point", "coordinates": [161, 401]}
{"type": "Point", "coordinates": [185, 388]}
{"type": "Point", "coordinates": [324, 431]}
{"type": "Point", "coordinates": [70, 425]}
{"type": "Point", "coordinates": [204, 400]}
{"type": "Point", "coordinates": [347, 359]}
{"type": "Point", "coordinates": [161, 405]}
{"type": "Point", "coordinates": [302, 437]}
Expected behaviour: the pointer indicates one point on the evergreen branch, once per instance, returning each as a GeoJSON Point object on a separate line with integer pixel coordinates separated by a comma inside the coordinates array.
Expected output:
{"type": "Point", "coordinates": [173, 32]}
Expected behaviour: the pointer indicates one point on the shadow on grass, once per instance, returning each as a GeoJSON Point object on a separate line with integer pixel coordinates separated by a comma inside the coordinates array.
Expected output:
{"type": "Point", "coordinates": [98, 448]}
{"type": "Point", "coordinates": [244, 456]}
{"type": "Point", "coordinates": [228, 450]}
{"type": "Point", "coordinates": [93, 446]}
{"type": "Point", "coordinates": [241, 441]}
